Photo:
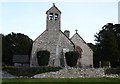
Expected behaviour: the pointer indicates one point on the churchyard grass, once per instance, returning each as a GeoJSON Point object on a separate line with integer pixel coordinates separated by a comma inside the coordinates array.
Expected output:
{"type": "Point", "coordinates": [62, 80]}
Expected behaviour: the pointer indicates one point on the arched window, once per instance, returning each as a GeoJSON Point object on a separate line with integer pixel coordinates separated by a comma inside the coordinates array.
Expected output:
{"type": "Point", "coordinates": [56, 16]}
{"type": "Point", "coordinates": [51, 16]}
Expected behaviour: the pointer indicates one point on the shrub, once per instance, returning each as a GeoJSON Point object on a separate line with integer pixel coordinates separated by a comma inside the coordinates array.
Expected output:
{"type": "Point", "coordinates": [112, 71]}
{"type": "Point", "coordinates": [71, 58]}
{"type": "Point", "coordinates": [43, 57]}
{"type": "Point", "coordinates": [29, 71]}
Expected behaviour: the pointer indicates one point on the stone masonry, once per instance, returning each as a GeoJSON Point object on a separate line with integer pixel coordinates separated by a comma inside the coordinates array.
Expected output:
{"type": "Point", "coordinates": [73, 73]}
{"type": "Point", "coordinates": [58, 43]}
{"type": "Point", "coordinates": [86, 59]}
{"type": "Point", "coordinates": [67, 73]}
{"type": "Point", "coordinates": [52, 40]}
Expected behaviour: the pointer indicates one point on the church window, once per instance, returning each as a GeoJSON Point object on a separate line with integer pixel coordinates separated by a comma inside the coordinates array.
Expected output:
{"type": "Point", "coordinates": [51, 16]}
{"type": "Point", "coordinates": [56, 16]}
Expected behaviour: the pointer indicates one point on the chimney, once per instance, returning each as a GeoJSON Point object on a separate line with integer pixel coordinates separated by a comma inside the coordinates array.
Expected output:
{"type": "Point", "coordinates": [67, 33]}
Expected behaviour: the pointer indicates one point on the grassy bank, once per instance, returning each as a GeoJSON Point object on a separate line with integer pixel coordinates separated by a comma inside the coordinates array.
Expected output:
{"type": "Point", "coordinates": [62, 80]}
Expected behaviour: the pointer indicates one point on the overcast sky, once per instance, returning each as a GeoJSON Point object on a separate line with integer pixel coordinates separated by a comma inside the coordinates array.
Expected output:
{"type": "Point", "coordinates": [30, 17]}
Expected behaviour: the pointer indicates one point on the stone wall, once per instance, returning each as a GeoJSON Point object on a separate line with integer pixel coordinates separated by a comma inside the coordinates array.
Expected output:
{"type": "Point", "coordinates": [73, 73]}
{"type": "Point", "coordinates": [87, 53]}
{"type": "Point", "coordinates": [53, 41]}
{"type": "Point", "coordinates": [67, 73]}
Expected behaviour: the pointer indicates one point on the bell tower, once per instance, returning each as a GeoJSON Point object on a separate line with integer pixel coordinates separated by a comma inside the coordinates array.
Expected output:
{"type": "Point", "coordinates": [53, 18]}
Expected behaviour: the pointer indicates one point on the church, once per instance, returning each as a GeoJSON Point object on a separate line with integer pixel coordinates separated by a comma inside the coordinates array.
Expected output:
{"type": "Point", "coordinates": [58, 43]}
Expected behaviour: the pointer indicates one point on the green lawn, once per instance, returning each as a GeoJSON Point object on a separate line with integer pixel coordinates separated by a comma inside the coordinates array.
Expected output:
{"type": "Point", "coordinates": [62, 80]}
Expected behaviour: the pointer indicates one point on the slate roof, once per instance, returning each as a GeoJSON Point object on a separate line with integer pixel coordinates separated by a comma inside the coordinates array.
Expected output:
{"type": "Point", "coordinates": [53, 7]}
{"type": "Point", "coordinates": [68, 38]}
{"type": "Point", "coordinates": [59, 32]}
{"type": "Point", "coordinates": [80, 38]}
{"type": "Point", "coordinates": [20, 59]}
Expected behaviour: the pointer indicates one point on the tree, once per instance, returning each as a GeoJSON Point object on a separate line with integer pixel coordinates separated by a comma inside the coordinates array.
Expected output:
{"type": "Point", "coordinates": [107, 44]}
{"type": "Point", "coordinates": [15, 43]}
{"type": "Point", "coordinates": [116, 30]}
{"type": "Point", "coordinates": [117, 34]}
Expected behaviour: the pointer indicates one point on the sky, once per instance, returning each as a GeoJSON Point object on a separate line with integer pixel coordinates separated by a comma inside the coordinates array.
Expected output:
{"type": "Point", "coordinates": [119, 12]}
{"type": "Point", "coordinates": [29, 17]}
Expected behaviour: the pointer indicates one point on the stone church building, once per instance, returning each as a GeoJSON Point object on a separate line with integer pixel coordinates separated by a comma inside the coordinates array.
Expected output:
{"type": "Point", "coordinates": [58, 43]}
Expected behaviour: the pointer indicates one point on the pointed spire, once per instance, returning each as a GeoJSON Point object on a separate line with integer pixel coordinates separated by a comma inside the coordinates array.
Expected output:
{"type": "Point", "coordinates": [76, 30]}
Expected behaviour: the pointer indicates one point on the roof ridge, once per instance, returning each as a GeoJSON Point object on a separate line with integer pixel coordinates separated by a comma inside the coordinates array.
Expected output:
{"type": "Point", "coordinates": [81, 38]}
{"type": "Point", "coordinates": [68, 38]}
{"type": "Point", "coordinates": [52, 7]}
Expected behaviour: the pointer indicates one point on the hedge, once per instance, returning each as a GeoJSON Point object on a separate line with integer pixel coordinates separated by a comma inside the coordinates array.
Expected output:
{"type": "Point", "coordinates": [43, 57]}
{"type": "Point", "coordinates": [112, 71]}
{"type": "Point", "coordinates": [71, 58]}
{"type": "Point", "coordinates": [29, 71]}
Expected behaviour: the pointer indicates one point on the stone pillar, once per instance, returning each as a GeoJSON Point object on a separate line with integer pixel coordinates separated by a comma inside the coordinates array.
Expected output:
{"type": "Point", "coordinates": [64, 51]}
{"type": "Point", "coordinates": [57, 62]}
{"type": "Point", "coordinates": [65, 63]}
{"type": "Point", "coordinates": [57, 59]}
